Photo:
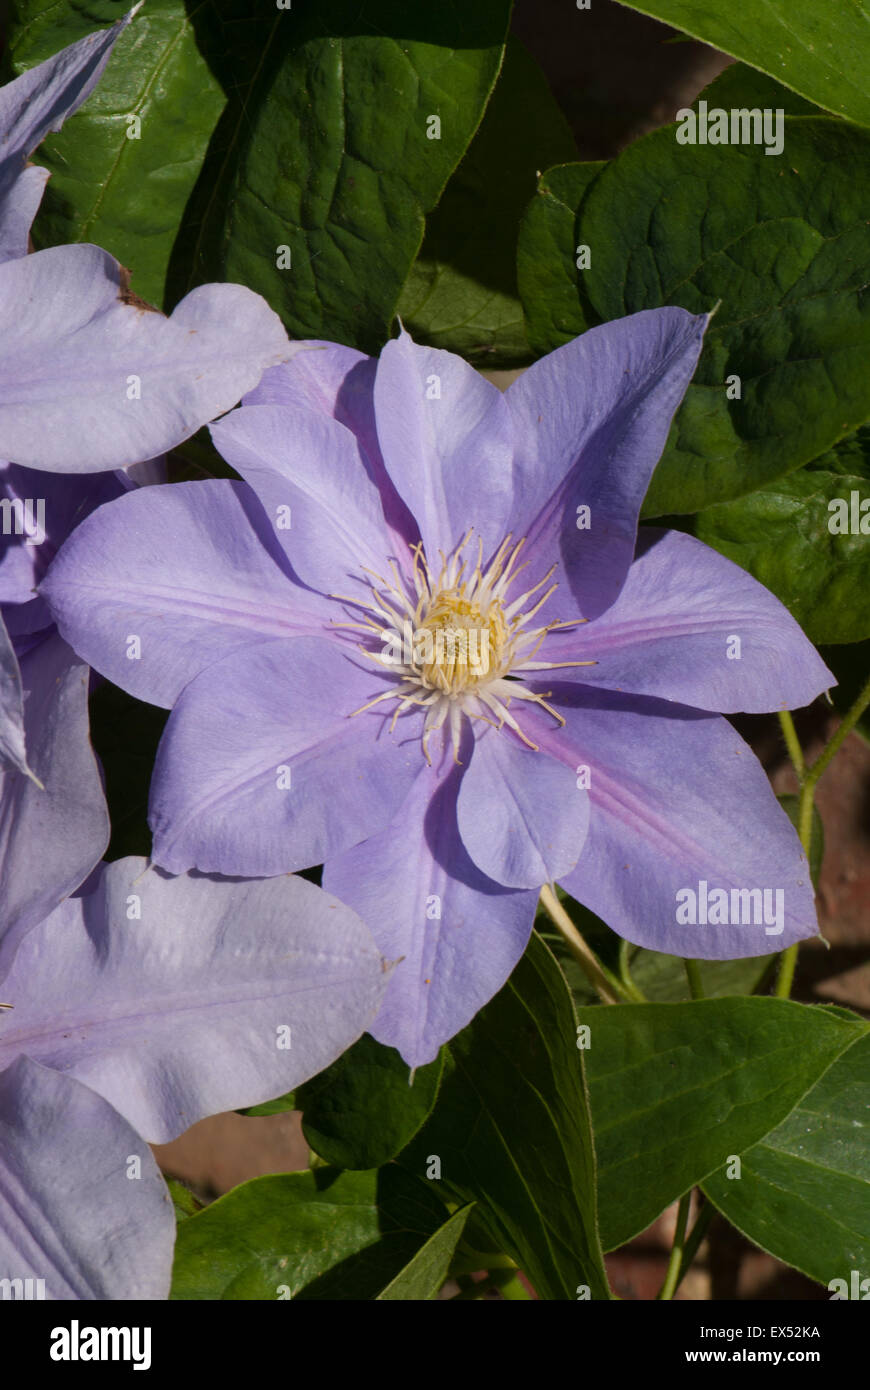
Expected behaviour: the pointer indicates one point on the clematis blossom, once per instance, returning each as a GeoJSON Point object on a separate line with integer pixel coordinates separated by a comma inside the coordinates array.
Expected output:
{"type": "Point", "coordinates": [90, 377]}
{"type": "Point", "coordinates": [423, 643]}
{"type": "Point", "coordinates": [54, 823]}
{"type": "Point", "coordinates": [90, 380]}
{"type": "Point", "coordinates": [139, 1007]}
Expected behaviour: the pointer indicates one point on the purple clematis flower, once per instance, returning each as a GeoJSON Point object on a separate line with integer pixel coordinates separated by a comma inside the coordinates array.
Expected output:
{"type": "Point", "coordinates": [54, 823]}
{"type": "Point", "coordinates": [90, 377]}
{"type": "Point", "coordinates": [139, 1008]}
{"type": "Point", "coordinates": [421, 644]}
{"type": "Point", "coordinates": [90, 380]}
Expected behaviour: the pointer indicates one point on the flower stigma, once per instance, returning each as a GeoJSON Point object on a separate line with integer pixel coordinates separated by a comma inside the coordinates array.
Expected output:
{"type": "Point", "coordinates": [456, 642]}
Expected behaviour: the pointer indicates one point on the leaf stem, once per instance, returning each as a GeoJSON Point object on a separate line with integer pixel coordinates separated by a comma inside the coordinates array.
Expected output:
{"type": "Point", "coordinates": [632, 990]}
{"type": "Point", "coordinates": [693, 974]}
{"type": "Point", "coordinates": [672, 1277]}
{"type": "Point", "coordinates": [844, 728]}
{"type": "Point", "coordinates": [606, 986]}
{"type": "Point", "coordinates": [696, 1235]}
{"type": "Point", "coordinates": [808, 777]}
{"type": "Point", "coordinates": [792, 742]}
{"type": "Point", "coordinates": [785, 975]}
{"type": "Point", "coordinates": [509, 1284]}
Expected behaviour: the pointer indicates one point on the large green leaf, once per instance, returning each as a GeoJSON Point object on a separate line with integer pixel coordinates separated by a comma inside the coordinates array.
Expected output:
{"type": "Point", "coordinates": [818, 50]}
{"type": "Point", "coordinates": [549, 284]}
{"type": "Point", "coordinates": [781, 534]}
{"type": "Point", "coordinates": [127, 195]}
{"type": "Point", "coordinates": [366, 1107]}
{"type": "Point", "coordinates": [320, 1234]}
{"type": "Point", "coordinates": [804, 1192]}
{"type": "Point", "coordinates": [850, 456]}
{"type": "Point", "coordinates": [511, 1130]}
{"type": "Point", "coordinates": [694, 225]}
{"type": "Point", "coordinates": [741, 86]}
{"type": "Point", "coordinates": [553, 293]}
{"type": "Point", "coordinates": [327, 153]}
{"type": "Point", "coordinates": [462, 291]}
{"type": "Point", "coordinates": [677, 1088]}
{"type": "Point", "coordinates": [423, 1276]}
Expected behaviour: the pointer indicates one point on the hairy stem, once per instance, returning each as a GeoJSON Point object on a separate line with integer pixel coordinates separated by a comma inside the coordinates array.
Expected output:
{"type": "Point", "coordinates": [606, 986]}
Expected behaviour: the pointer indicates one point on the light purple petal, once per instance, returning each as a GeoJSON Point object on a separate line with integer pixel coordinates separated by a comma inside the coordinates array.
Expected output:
{"type": "Point", "coordinates": [12, 750]}
{"type": "Point", "coordinates": [521, 815]}
{"type": "Point", "coordinates": [192, 569]}
{"type": "Point", "coordinates": [448, 454]}
{"type": "Point", "coordinates": [308, 473]}
{"type": "Point", "coordinates": [339, 382]}
{"type": "Point", "coordinates": [50, 839]}
{"type": "Point", "coordinates": [18, 207]}
{"type": "Point", "coordinates": [71, 1214]}
{"type": "Point", "coordinates": [35, 103]}
{"type": "Point", "coordinates": [43, 508]}
{"type": "Point", "coordinates": [691, 626]}
{"type": "Point", "coordinates": [458, 934]}
{"type": "Point", "coordinates": [177, 998]}
{"type": "Point", "coordinates": [677, 799]}
{"type": "Point", "coordinates": [590, 422]}
{"type": "Point", "coordinates": [93, 382]}
{"type": "Point", "coordinates": [262, 769]}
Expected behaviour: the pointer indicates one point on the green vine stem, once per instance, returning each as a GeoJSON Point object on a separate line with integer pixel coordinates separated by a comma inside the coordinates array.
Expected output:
{"type": "Point", "coordinates": [693, 1241]}
{"type": "Point", "coordinates": [675, 1263]}
{"type": "Point", "coordinates": [693, 975]}
{"type": "Point", "coordinates": [807, 778]}
{"type": "Point", "coordinates": [609, 989]}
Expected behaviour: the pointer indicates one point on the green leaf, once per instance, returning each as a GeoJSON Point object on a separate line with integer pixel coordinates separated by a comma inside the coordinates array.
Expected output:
{"type": "Point", "coordinates": [366, 1107]}
{"type": "Point", "coordinates": [696, 224]}
{"type": "Point", "coordinates": [279, 1106]}
{"type": "Point", "coordinates": [782, 535]}
{"type": "Point", "coordinates": [804, 1191]}
{"type": "Point", "coordinates": [791, 805]}
{"type": "Point", "coordinates": [183, 1200]}
{"type": "Point", "coordinates": [676, 1088]}
{"type": "Point", "coordinates": [327, 153]}
{"type": "Point", "coordinates": [125, 734]}
{"type": "Point", "coordinates": [423, 1276]}
{"type": "Point", "coordinates": [851, 456]}
{"type": "Point", "coordinates": [550, 286]}
{"type": "Point", "coordinates": [660, 978]}
{"type": "Point", "coordinates": [741, 86]}
{"type": "Point", "coordinates": [817, 50]}
{"type": "Point", "coordinates": [462, 290]}
{"type": "Point", "coordinates": [127, 195]}
{"type": "Point", "coordinates": [511, 1130]}
{"type": "Point", "coordinates": [319, 1234]}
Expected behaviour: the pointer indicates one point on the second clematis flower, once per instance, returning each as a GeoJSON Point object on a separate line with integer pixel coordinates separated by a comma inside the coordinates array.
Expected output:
{"type": "Point", "coordinates": [422, 644]}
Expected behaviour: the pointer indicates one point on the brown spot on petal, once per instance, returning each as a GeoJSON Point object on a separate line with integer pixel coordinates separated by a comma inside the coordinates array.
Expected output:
{"type": "Point", "coordinates": [128, 296]}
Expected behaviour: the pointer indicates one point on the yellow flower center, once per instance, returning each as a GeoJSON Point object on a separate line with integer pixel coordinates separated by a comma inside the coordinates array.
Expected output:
{"type": "Point", "coordinates": [455, 643]}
